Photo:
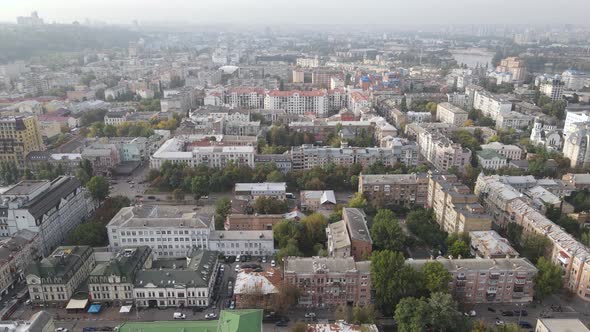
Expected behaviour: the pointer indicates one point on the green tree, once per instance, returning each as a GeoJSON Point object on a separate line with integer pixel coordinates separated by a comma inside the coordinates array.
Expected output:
{"type": "Point", "coordinates": [386, 231]}
{"type": "Point", "coordinates": [459, 248]}
{"type": "Point", "coordinates": [291, 249]}
{"type": "Point", "coordinates": [422, 224]}
{"type": "Point", "coordinates": [270, 205]}
{"type": "Point", "coordinates": [392, 279]}
{"type": "Point", "coordinates": [285, 230]}
{"type": "Point", "coordinates": [358, 201]}
{"type": "Point", "coordinates": [363, 315]}
{"type": "Point", "coordinates": [199, 186]}
{"type": "Point", "coordinates": [443, 314]}
{"type": "Point", "coordinates": [275, 176]}
{"type": "Point", "coordinates": [343, 313]}
{"type": "Point", "coordinates": [410, 315]}
{"type": "Point", "coordinates": [178, 194]}
{"type": "Point", "coordinates": [314, 233]}
{"type": "Point", "coordinates": [549, 278]}
{"type": "Point", "coordinates": [514, 233]}
{"type": "Point", "coordinates": [92, 234]}
{"type": "Point", "coordinates": [98, 186]}
{"type": "Point", "coordinates": [534, 246]}
{"type": "Point", "coordinates": [436, 277]}
{"type": "Point", "coordinates": [222, 210]}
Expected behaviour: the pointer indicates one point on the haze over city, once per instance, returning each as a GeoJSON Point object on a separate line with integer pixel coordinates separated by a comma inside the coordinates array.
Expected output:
{"type": "Point", "coordinates": [278, 12]}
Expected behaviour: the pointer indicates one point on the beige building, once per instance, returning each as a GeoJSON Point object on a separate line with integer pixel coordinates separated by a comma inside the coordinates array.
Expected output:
{"type": "Point", "coordinates": [55, 279]}
{"type": "Point", "coordinates": [448, 113]}
{"type": "Point", "coordinates": [476, 280]}
{"type": "Point", "coordinates": [314, 200]}
{"type": "Point", "coordinates": [515, 66]}
{"type": "Point", "coordinates": [20, 135]}
{"type": "Point", "coordinates": [350, 236]}
{"type": "Point", "coordinates": [396, 189]}
{"type": "Point", "coordinates": [560, 325]}
{"type": "Point", "coordinates": [489, 244]}
{"type": "Point", "coordinates": [455, 207]}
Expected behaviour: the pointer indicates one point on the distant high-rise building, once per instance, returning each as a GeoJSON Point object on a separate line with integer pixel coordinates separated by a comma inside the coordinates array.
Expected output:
{"type": "Point", "coordinates": [34, 19]}
{"type": "Point", "coordinates": [553, 88]}
{"type": "Point", "coordinates": [19, 136]}
{"type": "Point", "coordinates": [514, 66]}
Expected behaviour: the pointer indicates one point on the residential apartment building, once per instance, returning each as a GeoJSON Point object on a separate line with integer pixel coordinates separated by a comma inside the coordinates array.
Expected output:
{"type": "Point", "coordinates": [358, 101]}
{"type": "Point", "coordinates": [350, 236]}
{"type": "Point", "coordinates": [281, 161]}
{"type": "Point", "coordinates": [167, 231]}
{"type": "Point", "coordinates": [509, 151]}
{"type": "Point", "coordinates": [491, 105]}
{"type": "Point", "coordinates": [515, 66]}
{"type": "Point", "coordinates": [480, 280]}
{"type": "Point", "coordinates": [178, 283]}
{"type": "Point", "coordinates": [574, 80]}
{"type": "Point", "coordinates": [511, 119]}
{"type": "Point", "coordinates": [489, 244]}
{"type": "Point", "coordinates": [251, 191]}
{"type": "Point", "coordinates": [329, 281]}
{"type": "Point", "coordinates": [456, 209]}
{"type": "Point", "coordinates": [448, 113]}
{"type": "Point", "coordinates": [553, 88]}
{"type": "Point", "coordinates": [441, 152]}
{"type": "Point", "coordinates": [309, 156]}
{"type": "Point", "coordinates": [398, 189]}
{"type": "Point", "coordinates": [308, 62]}
{"type": "Point", "coordinates": [573, 117]}
{"type": "Point", "coordinates": [173, 151]}
{"type": "Point", "coordinates": [244, 98]}
{"type": "Point", "coordinates": [50, 208]}
{"type": "Point", "coordinates": [577, 181]}
{"type": "Point", "coordinates": [232, 243]}
{"type": "Point", "coordinates": [298, 102]}
{"type": "Point", "coordinates": [577, 146]}
{"type": "Point", "coordinates": [20, 135]}
{"type": "Point", "coordinates": [490, 159]}
{"type": "Point", "coordinates": [16, 253]}
{"type": "Point", "coordinates": [112, 282]}
{"type": "Point", "coordinates": [56, 278]}
{"type": "Point", "coordinates": [506, 206]}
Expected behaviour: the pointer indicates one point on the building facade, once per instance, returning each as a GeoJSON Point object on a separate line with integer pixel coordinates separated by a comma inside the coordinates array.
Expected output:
{"type": "Point", "coordinates": [19, 136]}
{"type": "Point", "coordinates": [397, 189]}
{"type": "Point", "coordinates": [449, 113]}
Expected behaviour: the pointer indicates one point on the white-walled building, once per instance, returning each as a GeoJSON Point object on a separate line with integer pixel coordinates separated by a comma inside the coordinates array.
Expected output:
{"type": "Point", "coordinates": [576, 146]}
{"type": "Point", "coordinates": [50, 208]}
{"type": "Point", "coordinates": [574, 80]}
{"type": "Point", "coordinates": [573, 117]}
{"type": "Point", "coordinates": [448, 113]}
{"type": "Point", "coordinates": [491, 105]}
{"type": "Point", "coordinates": [254, 243]}
{"type": "Point", "coordinates": [553, 88]}
{"type": "Point", "coordinates": [509, 151]}
{"type": "Point", "coordinates": [490, 159]}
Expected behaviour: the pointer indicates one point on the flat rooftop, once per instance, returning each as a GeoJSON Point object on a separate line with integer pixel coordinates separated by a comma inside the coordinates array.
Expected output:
{"type": "Point", "coordinates": [26, 187]}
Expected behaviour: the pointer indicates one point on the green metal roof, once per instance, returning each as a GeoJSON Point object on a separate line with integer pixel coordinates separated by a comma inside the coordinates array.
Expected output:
{"type": "Point", "coordinates": [249, 320]}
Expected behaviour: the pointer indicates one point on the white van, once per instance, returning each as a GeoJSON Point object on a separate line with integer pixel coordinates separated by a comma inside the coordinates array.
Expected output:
{"type": "Point", "coordinates": [179, 315]}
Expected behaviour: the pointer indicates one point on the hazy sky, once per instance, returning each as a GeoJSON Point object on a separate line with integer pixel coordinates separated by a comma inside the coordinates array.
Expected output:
{"type": "Point", "coordinates": [304, 11]}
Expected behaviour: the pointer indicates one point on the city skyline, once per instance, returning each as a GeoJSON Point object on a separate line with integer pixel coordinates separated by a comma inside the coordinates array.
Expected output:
{"type": "Point", "coordinates": [285, 12]}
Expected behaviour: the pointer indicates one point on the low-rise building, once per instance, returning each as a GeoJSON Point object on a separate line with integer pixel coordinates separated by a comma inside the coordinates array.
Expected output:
{"type": "Point", "coordinates": [41, 321]}
{"type": "Point", "coordinates": [314, 200]}
{"type": "Point", "coordinates": [103, 157]}
{"type": "Point", "coordinates": [480, 280]}
{"type": "Point", "coordinates": [578, 181]}
{"type": "Point", "coordinates": [252, 222]}
{"type": "Point", "coordinates": [560, 325]}
{"type": "Point", "coordinates": [16, 253]}
{"type": "Point", "coordinates": [329, 281]}
{"type": "Point", "coordinates": [489, 244]}
{"type": "Point", "coordinates": [251, 191]}
{"type": "Point", "coordinates": [178, 283]}
{"type": "Point", "coordinates": [490, 159]}
{"type": "Point", "coordinates": [508, 120]}
{"type": "Point", "coordinates": [54, 280]}
{"type": "Point", "coordinates": [509, 151]}
{"type": "Point", "coordinates": [253, 243]}
{"type": "Point", "coordinates": [397, 189]}
{"type": "Point", "coordinates": [112, 282]}
{"type": "Point", "coordinates": [169, 232]}
{"type": "Point", "coordinates": [257, 289]}
{"type": "Point", "coordinates": [350, 236]}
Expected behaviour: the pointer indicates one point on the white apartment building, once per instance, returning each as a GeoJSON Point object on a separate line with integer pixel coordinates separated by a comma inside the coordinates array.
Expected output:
{"type": "Point", "coordinates": [514, 120]}
{"type": "Point", "coordinates": [232, 243]}
{"type": "Point", "coordinates": [448, 113]}
{"type": "Point", "coordinates": [577, 146]}
{"type": "Point", "coordinates": [50, 208]}
{"type": "Point", "coordinates": [210, 156]}
{"type": "Point", "coordinates": [244, 98]}
{"type": "Point", "coordinates": [490, 105]}
{"type": "Point", "coordinates": [298, 102]}
{"type": "Point", "coordinates": [574, 116]}
{"type": "Point", "coordinates": [440, 151]}
{"type": "Point", "coordinates": [55, 279]}
{"type": "Point", "coordinates": [167, 231]}
{"type": "Point", "coordinates": [308, 62]}
{"type": "Point", "coordinates": [574, 80]}
{"type": "Point", "coordinates": [509, 151]}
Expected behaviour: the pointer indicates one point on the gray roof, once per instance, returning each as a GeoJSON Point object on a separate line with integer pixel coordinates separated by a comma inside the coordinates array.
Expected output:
{"type": "Point", "coordinates": [371, 179]}
{"type": "Point", "coordinates": [241, 235]}
{"type": "Point", "coordinates": [563, 325]}
{"type": "Point", "coordinates": [356, 222]}
{"type": "Point", "coordinates": [125, 263]}
{"type": "Point", "coordinates": [61, 263]}
{"type": "Point", "coordinates": [477, 264]}
{"type": "Point", "coordinates": [25, 187]}
{"type": "Point", "coordinates": [59, 188]}
{"type": "Point", "coordinates": [39, 321]}
{"type": "Point", "coordinates": [327, 264]}
{"type": "Point", "coordinates": [157, 216]}
{"type": "Point", "coordinates": [193, 271]}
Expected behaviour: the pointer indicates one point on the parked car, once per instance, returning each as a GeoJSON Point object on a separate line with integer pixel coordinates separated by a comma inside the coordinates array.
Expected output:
{"type": "Point", "coordinates": [491, 309]}
{"type": "Point", "coordinates": [222, 268]}
{"type": "Point", "coordinates": [507, 313]}
{"type": "Point", "coordinates": [61, 329]}
{"type": "Point", "coordinates": [232, 305]}
{"type": "Point", "coordinates": [522, 312]}
{"type": "Point", "coordinates": [264, 260]}
{"type": "Point", "coordinates": [211, 316]}
{"type": "Point", "coordinates": [273, 263]}
{"type": "Point", "coordinates": [281, 323]}
{"type": "Point", "coordinates": [525, 324]}
{"type": "Point", "coordinates": [499, 322]}
{"type": "Point", "coordinates": [237, 269]}
{"type": "Point", "coordinates": [179, 315]}
{"type": "Point", "coordinates": [310, 315]}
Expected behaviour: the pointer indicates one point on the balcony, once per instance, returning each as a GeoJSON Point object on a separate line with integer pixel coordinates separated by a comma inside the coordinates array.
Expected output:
{"type": "Point", "coordinates": [494, 275]}
{"type": "Point", "coordinates": [519, 281]}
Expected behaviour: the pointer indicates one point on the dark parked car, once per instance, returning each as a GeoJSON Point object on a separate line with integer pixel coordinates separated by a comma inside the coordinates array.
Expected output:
{"type": "Point", "coordinates": [522, 312]}
{"type": "Point", "coordinates": [491, 309]}
{"type": "Point", "coordinates": [281, 323]}
{"type": "Point", "coordinates": [507, 313]}
{"type": "Point", "coordinates": [525, 324]}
